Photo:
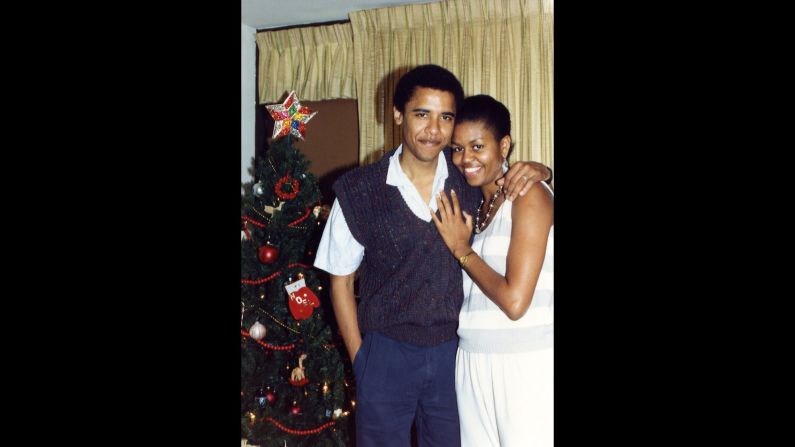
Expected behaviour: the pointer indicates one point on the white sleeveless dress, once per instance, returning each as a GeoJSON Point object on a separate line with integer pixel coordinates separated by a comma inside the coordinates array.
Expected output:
{"type": "Point", "coordinates": [504, 368]}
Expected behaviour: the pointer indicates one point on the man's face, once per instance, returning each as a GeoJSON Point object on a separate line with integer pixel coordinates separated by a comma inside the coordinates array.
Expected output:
{"type": "Point", "coordinates": [426, 122]}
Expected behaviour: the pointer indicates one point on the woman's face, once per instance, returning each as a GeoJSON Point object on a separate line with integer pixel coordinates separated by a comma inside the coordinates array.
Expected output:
{"type": "Point", "coordinates": [477, 153]}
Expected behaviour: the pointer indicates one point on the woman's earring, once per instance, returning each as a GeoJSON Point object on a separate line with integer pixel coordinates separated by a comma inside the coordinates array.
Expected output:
{"type": "Point", "coordinates": [504, 165]}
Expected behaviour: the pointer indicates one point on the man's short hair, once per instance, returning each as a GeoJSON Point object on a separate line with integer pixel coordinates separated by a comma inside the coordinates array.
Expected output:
{"type": "Point", "coordinates": [429, 76]}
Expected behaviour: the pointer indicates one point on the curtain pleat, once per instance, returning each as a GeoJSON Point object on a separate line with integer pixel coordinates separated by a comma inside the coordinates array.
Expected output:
{"type": "Point", "coordinates": [501, 48]}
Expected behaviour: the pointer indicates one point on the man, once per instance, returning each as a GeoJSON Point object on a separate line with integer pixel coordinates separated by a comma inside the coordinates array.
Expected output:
{"type": "Point", "coordinates": [410, 286]}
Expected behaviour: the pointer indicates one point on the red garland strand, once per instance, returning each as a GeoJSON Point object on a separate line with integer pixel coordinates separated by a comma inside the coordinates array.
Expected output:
{"type": "Point", "coordinates": [261, 280]}
{"type": "Point", "coordinates": [244, 333]}
{"type": "Point", "coordinates": [286, 195]}
{"type": "Point", "coordinates": [268, 278]}
{"type": "Point", "coordinates": [300, 432]}
{"type": "Point", "coordinates": [301, 219]}
{"type": "Point", "coordinates": [257, 223]}
{"type": "Point", "coordinates": [299, 265]}
{"type": "Point", "coordinates": [253, 222]}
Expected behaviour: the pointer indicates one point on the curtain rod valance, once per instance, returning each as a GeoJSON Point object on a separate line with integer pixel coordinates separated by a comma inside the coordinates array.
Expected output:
{"type": "Point", "coordinates": [316, 62]}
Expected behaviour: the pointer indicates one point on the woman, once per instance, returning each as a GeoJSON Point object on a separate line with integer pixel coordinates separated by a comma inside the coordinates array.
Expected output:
{"type": "Point", "coordinates": [504, 362]}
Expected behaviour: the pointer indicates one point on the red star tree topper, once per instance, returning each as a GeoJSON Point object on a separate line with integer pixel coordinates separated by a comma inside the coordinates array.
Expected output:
{"type": "Point", "coordinates": [289, 117]}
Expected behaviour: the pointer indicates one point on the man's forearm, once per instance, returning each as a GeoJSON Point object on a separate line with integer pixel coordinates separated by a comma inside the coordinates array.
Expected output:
{"type": "Point", "coordinates": [344, 303]}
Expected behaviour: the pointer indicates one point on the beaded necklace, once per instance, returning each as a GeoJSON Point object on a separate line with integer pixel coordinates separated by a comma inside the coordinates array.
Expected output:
{"type": "Point", "coordinates": [478, 226]}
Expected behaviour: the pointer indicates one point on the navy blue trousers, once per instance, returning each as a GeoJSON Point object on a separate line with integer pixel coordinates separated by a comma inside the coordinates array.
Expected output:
{"type": "Point", "coordinates": [398, 384]}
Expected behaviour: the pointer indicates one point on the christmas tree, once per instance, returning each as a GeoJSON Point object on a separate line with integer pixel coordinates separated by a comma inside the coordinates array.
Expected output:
{"type": "Point", "coordinates": [294, 390]}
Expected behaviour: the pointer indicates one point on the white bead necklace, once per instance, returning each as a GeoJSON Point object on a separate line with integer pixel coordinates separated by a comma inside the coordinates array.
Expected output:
{"type": "Point", "coordinates": [481, 226]}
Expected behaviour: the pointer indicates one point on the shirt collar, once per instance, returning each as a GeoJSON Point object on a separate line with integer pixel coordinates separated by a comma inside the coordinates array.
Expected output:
{"type": "Point", "coordinates": [396, 177]}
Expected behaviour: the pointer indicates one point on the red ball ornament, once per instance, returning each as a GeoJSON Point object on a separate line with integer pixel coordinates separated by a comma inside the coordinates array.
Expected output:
{"type": "Point", "coordinates": [270, 396]}
{"type": "Point", "coordinates": [268, 254]}
{"type": "Point", "coordinates": [295, 410]}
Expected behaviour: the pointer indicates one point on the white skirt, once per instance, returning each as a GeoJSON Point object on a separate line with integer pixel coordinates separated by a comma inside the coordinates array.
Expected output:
{"type": "Point", "coordinates": [505, 400]}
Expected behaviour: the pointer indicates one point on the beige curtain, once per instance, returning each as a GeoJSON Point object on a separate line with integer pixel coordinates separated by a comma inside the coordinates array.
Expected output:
{"type": "Point", "coordinates": [315, 61]}
{"type": "Point", "coordinates": [502, 48]}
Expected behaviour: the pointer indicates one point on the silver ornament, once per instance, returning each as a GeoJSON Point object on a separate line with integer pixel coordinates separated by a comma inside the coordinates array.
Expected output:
{"type": "Point", "coordinates": [257, 331]}
{"type": "Point", "coordinates": [258, 189]}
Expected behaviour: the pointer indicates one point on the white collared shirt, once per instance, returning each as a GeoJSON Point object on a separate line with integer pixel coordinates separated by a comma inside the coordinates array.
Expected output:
{"type": "Point", "coordinates": [339, 253]}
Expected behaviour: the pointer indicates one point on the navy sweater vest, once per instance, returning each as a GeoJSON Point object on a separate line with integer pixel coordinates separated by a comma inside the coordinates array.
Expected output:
{"type": "Point", "coordinates": [410, 285]}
